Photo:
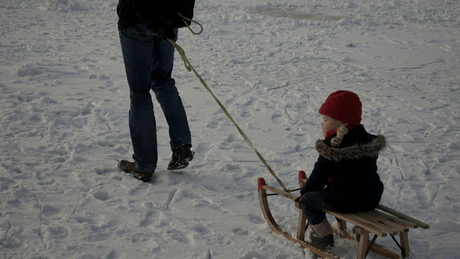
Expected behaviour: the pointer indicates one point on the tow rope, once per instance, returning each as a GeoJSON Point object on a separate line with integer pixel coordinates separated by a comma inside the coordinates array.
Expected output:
{"type": "Point", "coordinates": [189, 67]}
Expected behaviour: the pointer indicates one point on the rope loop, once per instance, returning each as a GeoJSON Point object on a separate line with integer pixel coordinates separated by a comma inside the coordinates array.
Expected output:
{"type": "Point", "coordinates": [185, 19]}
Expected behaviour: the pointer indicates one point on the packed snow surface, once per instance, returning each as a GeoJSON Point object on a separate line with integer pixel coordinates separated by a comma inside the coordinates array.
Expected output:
{"type": "Point", "coordinates": [64, 125]}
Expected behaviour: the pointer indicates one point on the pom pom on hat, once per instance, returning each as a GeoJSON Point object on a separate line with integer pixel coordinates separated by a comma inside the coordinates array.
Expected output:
{"type": "Point", "coordinates": [343, 106]}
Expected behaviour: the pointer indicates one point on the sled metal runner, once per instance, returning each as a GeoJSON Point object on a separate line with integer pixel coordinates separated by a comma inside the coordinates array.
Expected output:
{"type": "Point", "coordinates": [380, 222]}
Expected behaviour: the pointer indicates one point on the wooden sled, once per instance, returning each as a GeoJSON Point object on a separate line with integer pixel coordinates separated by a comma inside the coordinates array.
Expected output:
{"type": "Point", "coordinates": [381, 222]}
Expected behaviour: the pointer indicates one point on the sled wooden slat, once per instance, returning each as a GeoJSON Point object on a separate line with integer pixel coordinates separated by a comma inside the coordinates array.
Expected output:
{"type": "Point", "coordinates": [377, 215]}
{"type": "Point", "coordinates": [352, 218]}
{"type": "Point", "coordinates": [390, 218]}
{"type": "Point", "coordinates": [380, 222]}
{"type": "Point", "coordinates": [403, 216]}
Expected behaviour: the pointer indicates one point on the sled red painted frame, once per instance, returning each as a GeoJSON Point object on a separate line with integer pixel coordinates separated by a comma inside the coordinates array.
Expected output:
{"type": "Point", "coordinates": [381, 222]}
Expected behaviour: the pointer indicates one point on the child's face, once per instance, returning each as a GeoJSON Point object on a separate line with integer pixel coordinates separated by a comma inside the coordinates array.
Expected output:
{"type": "Point", "coordinates": [328, 124]}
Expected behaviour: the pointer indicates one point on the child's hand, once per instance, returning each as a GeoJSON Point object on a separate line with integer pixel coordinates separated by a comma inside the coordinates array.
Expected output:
{"type": "Point", "coordinates": [297, 202]}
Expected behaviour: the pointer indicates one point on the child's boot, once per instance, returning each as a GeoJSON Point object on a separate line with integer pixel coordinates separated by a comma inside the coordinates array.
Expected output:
{"type": "Point", "coordinates": [322, 235]}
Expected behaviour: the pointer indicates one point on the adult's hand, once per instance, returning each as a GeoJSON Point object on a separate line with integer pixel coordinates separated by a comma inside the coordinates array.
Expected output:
{"type": "Point", "coordinates": [166, 30]}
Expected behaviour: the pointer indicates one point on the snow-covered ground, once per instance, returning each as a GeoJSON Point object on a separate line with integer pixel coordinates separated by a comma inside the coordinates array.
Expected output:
{"type": "Point", "coordinates": [64, 107]}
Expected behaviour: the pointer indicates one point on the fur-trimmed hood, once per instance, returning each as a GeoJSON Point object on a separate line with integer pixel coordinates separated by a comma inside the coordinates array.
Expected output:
{"type": "Point", "coordinates": [357, 151]}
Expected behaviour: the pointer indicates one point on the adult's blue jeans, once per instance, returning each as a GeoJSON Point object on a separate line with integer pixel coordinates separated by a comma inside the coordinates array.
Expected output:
{"type": "Point", "coordinates": [312, 204]}
{"type": "Point", "coordinates": [148, 62]}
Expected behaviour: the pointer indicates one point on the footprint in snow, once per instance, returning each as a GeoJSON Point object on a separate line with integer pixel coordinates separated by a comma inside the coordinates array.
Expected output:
{"type": "Point", "coordinates": [101, 195]}
{"type": "Point", "coordinates": [256, 219]}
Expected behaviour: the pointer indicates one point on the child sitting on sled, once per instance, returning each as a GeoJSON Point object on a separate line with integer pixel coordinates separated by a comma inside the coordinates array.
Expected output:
{"type": "Point", "coordinates": [344, 178]}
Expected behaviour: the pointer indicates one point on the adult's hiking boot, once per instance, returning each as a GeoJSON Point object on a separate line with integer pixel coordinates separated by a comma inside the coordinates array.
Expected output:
{"type": "Point", "coordinates": [181, 157]}
{"type": "Point", "coordinates": [131, 168]}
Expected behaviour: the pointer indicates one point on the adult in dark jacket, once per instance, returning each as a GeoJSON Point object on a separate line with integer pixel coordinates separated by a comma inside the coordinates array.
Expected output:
{"type": "Point", "coordinates": [344, 178]}
{"type": "Point", "coordinates": [158, 15]}
{"type": "Point", "coordinates": [144, 28]}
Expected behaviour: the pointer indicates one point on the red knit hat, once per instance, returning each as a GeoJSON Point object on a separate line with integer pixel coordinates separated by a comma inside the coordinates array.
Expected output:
{"type": "Point", "coordinates": [343, 106]}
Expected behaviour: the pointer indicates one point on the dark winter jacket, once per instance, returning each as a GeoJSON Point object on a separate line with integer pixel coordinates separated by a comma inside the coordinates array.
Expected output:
{"type": "Point", "coordinates": [154, 13]}
{"type": "Point", "coordinates": [349, 171]}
